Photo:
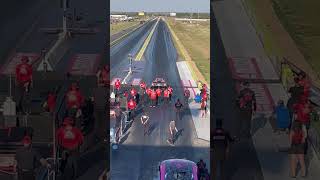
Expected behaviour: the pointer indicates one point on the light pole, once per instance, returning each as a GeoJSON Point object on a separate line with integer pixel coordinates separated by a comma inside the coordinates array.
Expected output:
{"type": "Point", "coordinates": [64, 25]}
{"type": "Point", "coordinates": [130, 63]}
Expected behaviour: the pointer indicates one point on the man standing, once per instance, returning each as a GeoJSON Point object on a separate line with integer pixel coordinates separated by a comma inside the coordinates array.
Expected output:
{"type": "Point", "coordinates": [221, 146]}
{"type": "Point", "coordinates": [247, 106]}
{"type": "Point", "coordinates": [25, 160]}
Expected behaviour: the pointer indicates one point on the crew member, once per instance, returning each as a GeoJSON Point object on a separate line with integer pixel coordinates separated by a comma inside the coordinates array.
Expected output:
{"type": "Point", "coordinates": [170, 92]}
{"type": "Point", "coordinates": [25, 160]}
{"type": "Point", "coordinates": [69, 138]}
{"type": "Point", "coordinates": [24, 74]}
{"type": "Point", "coordinates": [51, 102]}
{"type": "Point", "coordinates": [166, 95]}
{"type": "Point", "coordinates": [158, 91]}
{"type": "Point", "coordinates": [74, 100]}
{"type": "Point", "coordinates": [131, 107]}
{"type": "Point", "coordinates": [117, 86]}
{"type": "Point", "coordinates": [153, 97]}
{"type": "Point", "coordinates": [221, 145]}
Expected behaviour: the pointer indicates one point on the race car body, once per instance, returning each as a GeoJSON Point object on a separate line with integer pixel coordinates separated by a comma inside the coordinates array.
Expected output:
{"type": "Point", "coordinates": [159, 83]}
{"type": "Point", "coordinates": [178, 169]}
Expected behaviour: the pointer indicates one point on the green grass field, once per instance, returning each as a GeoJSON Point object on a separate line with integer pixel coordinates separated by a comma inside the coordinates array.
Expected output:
{"type": "Point", "coordinates": [301, 20]}
{"type": "Point", "coordinates": [117, 27]}
{"type": "Point", "coordinates": [196, 40]}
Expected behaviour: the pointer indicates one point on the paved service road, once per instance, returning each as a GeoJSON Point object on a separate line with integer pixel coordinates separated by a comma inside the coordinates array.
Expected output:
{"type": "Point", "coordinates": [138, 157]}
{"type": "Point", "coordinates": [243, 163]}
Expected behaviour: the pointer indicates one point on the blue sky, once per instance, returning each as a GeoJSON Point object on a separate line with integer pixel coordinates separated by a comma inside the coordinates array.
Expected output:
{"type": "Point", "coordinates": [160, 5]}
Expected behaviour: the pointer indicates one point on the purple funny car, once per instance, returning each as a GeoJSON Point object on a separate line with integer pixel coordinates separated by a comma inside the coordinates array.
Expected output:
{"type": "Point", "coordinates": [178, 169]}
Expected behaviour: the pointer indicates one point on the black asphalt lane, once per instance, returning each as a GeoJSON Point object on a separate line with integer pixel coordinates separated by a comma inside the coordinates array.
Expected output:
{"type": "Point", "coordinates": [121, 33]}
{"type": "Point", "coordinates": [243, 163]}
{"type": "Point", "coordinates": [138, 157]}
{"type": "Point", "coordinates": [129, 45]}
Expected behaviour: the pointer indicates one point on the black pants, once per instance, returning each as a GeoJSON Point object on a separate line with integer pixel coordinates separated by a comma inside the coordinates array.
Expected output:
{"type": "Point", "coordinates": [245, 122]}
{"type": "Point", "coordinates": [25, 175]}
{"type": "Point", "coordinates": [218, 164]}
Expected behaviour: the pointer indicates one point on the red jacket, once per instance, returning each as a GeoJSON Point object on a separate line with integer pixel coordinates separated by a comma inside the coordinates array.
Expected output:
{"type": "Point", "coordinates": [170, 90]}
{"type": "Point", "coordinates": [166, 93]}
{"type": "Point", "coordinates": [132, 104]}
{"type": "Point", "coordinates": [158, 91]}
{"type": "Point", "coordinates": [133, 92]}
{"type": "Point", "coordinates": [153, 95]}
{"type": "Point", "coordinates": [24, 72]}
{"type": "Point", "coordinates": [51, 101]}
{"type": "Point", "coordinates": [69, 138]}
{"type": "Point", "coordinates": [74, 99]}
{"type": "Point", "coordinates": [303, 113]}
{"type": "Point", "coordinates": [117, 84]}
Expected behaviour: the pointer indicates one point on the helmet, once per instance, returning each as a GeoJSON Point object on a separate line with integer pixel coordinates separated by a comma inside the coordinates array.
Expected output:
{"type": "Point", "coordinates": [25, 59]}
{"type": "Point", "coordinates": [67, 121]}
{"type": "Point", "coordinates": [26, 140]}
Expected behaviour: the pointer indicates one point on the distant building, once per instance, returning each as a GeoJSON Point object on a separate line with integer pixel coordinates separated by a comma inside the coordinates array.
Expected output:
{"type": "Point", "coordinates": [173, 14]}
{"type": "Point", "coordinates": [141, 13]}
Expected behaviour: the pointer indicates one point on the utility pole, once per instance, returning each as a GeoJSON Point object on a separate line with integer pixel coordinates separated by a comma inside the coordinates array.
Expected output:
{"type": "Point", "coordinates": [64, 25]}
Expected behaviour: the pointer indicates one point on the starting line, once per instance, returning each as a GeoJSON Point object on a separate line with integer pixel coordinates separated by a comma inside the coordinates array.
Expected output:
{"type": "Point", "coordinates": [84, 64]}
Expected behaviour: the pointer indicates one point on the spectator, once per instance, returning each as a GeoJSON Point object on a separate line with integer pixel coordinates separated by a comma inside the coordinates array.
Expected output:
{"type": "Point", "coordinates": [297, 139]}
{"type": "Point", "coordinates": [282, 116]}
{"type": "Point", "coordinates": [296, 91]}
{"type": "Point", "coordinates": [203, 108]}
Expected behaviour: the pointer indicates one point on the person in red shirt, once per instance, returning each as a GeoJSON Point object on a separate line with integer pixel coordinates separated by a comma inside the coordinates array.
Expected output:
{"type": "Point", "coordinates": [133, 91]}
{"type": "Point", "coordinates": [131, 107]}
{"type": "Point", "coordinates": [69, 138]}
{"type": "Point", "coordinates": [170, 92]}
{"type": "Point", "coordinates": [51, 102]}
{"type": "Point", "coordinates": [74, 98]}
{"type": "Point", "coordinates": [142, 85]}
{"type": "Point", "coordinates": [158, 91]}
{"type": "Point", "coordinates": [302, 112]}
{"type": "Point", "coordinates": [117, 86]}
{"type": "Point", "coordinates": [24, 74]}
{"type": "Point", "coordinates": [103, 76]}
{"type": "Point", "coordinates": [166, 95]}
{"type": "Point", "coordinates": [153, 98]}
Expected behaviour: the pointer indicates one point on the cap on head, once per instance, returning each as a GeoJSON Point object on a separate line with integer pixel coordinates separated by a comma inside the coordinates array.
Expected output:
{"type": "Point", "coordinates": [26, 140]}
{"type": "Point", "coordinates": [68, 121]}
{"type": "Point", "coordinates": [25, 59]}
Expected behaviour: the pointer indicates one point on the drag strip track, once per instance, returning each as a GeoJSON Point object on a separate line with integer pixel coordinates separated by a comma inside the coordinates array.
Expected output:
{"type": "Point", "coordinates": [129, 45]}
{"type": "Point", "coordinates": [142, 154]}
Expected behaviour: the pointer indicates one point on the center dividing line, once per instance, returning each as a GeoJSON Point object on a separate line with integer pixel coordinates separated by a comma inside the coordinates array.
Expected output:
{"type": "Point", "coordinates": [142, 50]}
{"type": "Point", "coordinates": [146, 43]}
